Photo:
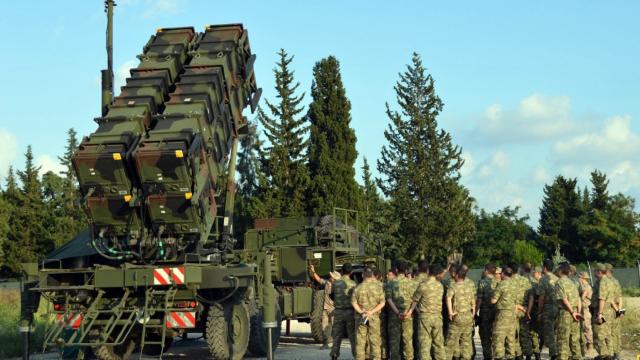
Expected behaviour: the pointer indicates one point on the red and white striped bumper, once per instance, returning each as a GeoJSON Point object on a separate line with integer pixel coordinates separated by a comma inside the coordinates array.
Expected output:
{"type": "Point", "coordinates": [181, 320]}
{"type": "Point", "coordinates": [73, 321]}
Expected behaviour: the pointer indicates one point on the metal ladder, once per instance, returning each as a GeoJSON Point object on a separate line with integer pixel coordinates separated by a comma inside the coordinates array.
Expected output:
{"type": "Point", "coordinates": [156, 301]}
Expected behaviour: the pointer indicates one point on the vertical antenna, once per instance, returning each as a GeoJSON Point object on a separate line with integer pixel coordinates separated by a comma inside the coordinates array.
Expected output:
{"type": "Point", "coordinates": [107, 75]}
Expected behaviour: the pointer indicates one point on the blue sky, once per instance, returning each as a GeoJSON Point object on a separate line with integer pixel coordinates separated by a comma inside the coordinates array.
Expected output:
{"type": "Point", "coordinates": [531, 89]}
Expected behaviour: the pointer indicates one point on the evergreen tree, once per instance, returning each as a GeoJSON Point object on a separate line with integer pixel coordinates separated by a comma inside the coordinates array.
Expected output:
{"type": "Point", "coordinates": [559, 218]}
{"type": "Point", "coordinates": [420, 166]}
{"type": "Point", "coordinates": [283, 159]}
{"type": "Point", "coordinates": [599, 193]}
{"type": "Point", "coordinates": [332, 142]}
{"type": "Point", "coordinates": [377, 226]}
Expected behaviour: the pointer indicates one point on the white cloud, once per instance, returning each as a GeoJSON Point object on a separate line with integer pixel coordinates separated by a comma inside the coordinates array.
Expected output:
{"type": "Point", "coordinates": [48, 163]}
{"type": "Point", "coordinates": [498, 161]}
{"type": "Point", "coordinates": [537, 118]}
{"type": "Point", "coordinates": [469, 164]}
{"type": "Point", "coordinates": [122, 73]}
{"type": "Point", "coordinates": [8, 145]}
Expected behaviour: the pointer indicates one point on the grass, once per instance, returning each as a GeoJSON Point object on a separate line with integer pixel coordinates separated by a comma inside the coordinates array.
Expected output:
{"type": "Point", "coordinates": [631, 292]}
{"type": "Point", "coordinates": [10, 338]}
{"type": "Point", "coordinates": [631, 324]}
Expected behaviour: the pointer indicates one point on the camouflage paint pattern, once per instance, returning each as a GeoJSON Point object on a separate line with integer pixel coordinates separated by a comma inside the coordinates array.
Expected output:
{"type": "Point", "coordinates": [504, 340]}
{"type": "Point", "coordinates": [428, 297]}
{"type": "Point", "coordinates": [459, 340]}
{"type": "Point", "coordinates": [400, 291]}
{"type": "Point", "coordinates": [368, 295]}
{"type": "Point", "coordinates": [567, 330]}
{"type": "Point", "coordinates": [486, 313]}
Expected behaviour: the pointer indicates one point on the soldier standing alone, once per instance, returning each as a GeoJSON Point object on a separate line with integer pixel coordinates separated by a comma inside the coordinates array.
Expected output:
{"type": "Point", "coordinates": [568, 322]}
{"type": "Point", "coordinates": [343, 317]}
{"type": "Point", "coordinates": [367, 301]}
{"type": "Point", "coordinates": [461, 302]}
{"type": "Point", "coordinates": [428, 299]}
{"type": "Point", "coordinates": [399, 293]}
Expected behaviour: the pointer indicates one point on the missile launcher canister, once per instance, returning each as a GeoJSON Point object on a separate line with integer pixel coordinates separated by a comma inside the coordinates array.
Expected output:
{"type": "Point", "coordinates": [153, 175]}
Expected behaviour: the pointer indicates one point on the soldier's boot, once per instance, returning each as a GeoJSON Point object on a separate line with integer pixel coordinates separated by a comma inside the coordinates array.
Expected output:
{"type": "Point", "coordinates": [528, 357]}
{"type": "Point", "coordinates": [536, 356]}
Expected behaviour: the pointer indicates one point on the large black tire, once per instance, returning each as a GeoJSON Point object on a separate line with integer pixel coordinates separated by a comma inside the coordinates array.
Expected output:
{"type": "Point", "coordinates": [317, 332]}
{"type": "Point", "coordinates": [258, 339]}
{"type": "Point", "coordinates": [227, 332]}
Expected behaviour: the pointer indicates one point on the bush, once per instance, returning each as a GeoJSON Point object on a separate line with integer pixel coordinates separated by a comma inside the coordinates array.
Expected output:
{"type": "Point", "coordinates": [631, 292]}
{"type": "Point", "coordinates": [10, 338]}
{"type": "Point", "coordinates": [525, 251]}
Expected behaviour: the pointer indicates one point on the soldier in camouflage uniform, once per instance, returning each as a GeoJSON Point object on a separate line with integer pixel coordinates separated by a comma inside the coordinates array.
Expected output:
{"type": "Point", "coordinates": [327, 304]}
{"type": "Point", "coordinates": [343, 317]}
{"type": "Point", "coordinates": [523, 286]}
{"type": "Point", "coordinates": [486, 311]}
{"type": "Point", "coordinates": [586, 292]}
{"type": "Point", "coordinates": [367, 301]}
{"type": "Point", "coordinates": [603, 313]}
{"type": "Point", "coordinates": [399, 293]}
{"type": "Point", "coordinates": [532, 312]}
{"type": "Point", "coordinates": [461, 302]}
{"type": "Point", "coordinates": [505, 298]}
{"type": "Point", "coordinates": [617, 305]}
{"type": "Point", "coordinates": [568, 321]}
{"type": "Point", "coordinates": [428, 299]}
{"type": "Point", "coordinates": [421, 275]}
{"type": "Point", "coordinates": [547, 302]}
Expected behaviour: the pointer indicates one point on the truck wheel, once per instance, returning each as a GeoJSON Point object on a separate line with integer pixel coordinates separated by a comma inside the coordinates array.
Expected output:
{"type": "Point", "coordinates": [119, 352]}
{"type": "Point", "coordinates": [258, 339]}
{"type": "Point", "coordinates": [228, 331]}
{"type": "Point", "coordinates": [317, 332]}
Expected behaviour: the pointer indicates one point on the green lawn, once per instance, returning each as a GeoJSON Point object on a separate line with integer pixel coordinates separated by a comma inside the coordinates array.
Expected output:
{"type": "Point", "coordinates": [10, 338]}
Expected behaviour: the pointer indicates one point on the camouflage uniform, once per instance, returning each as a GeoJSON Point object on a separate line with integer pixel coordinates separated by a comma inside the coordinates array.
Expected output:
{"type": "Point", "coordinates": [421, 277]}
{"type": "Point", "coordinates": [523, 288]}
{"type": "Point", "coordinates": [567, 330]}
{"type": "Point", "coordinates": [400, 291]}
{"type": "Point", "coordinates": [368, 295]}
{"type": "Point", "coordinates": [343, 319]}
{"type": "Point", "coordinates": [460, 335]}
{"type": "Point", "coordinates": [428, 296]}
{"type": "Point", "coordinates": [486, 314]}
{"type": "Point", "coordinates": [531, 327]}
{"type": "Point", "coordinates": [549, 312]}
{"type": "Point", "coordinates": [602, 340]}
{"type": "Point", "coordinates": [327, 311]}
{"type": "Point", "coordinates": [384, 326]}
{"type": "Point", "coordinates": [504, 329]}
{"type": "Point", "coordinates": [586, 292]}
{"type": "Point", "coordinates": [615, 324]}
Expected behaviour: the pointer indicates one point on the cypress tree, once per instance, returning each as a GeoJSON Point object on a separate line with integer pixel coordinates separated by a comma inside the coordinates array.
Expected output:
{"type": "Point", "coordinates": [332, 142]}
{"type": "Point", "coordinates": [420, 166]}
{"type": "Point", "coordinates": [560, 215]}
{"type": "Point", "coordinates": [600, 193]}
{"type": "Point", "coordinates": [283, 159]}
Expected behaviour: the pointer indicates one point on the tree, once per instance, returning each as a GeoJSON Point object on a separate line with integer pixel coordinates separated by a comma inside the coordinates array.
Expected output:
{"type": "Point", "coordinates": [420, 167]}
{"type": "Point", "coordinates": [377, 224]}
{"type": "Point", "coordinates": [496, 235]}
{"type": "Point", "coordinates": [283, 159]}
{"type": "Point", "coordinates": [599, 198]}
{"type": "Point", "coordinates": [332, 142]}
{"type": "Point", "coordinates": [559, 218]}
{"type": "Point", "coordinates": [526, 251]}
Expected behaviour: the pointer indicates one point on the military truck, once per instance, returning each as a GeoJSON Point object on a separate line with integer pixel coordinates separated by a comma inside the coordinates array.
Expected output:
{"type": "Point", "coordinates": [327, 242]}
{"type": "Point", "coordinates": [157, 183]}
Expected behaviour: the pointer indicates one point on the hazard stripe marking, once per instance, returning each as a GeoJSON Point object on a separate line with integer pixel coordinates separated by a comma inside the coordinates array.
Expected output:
{"type": "Point", "coordinates": [167, 276]}
{"type": "Point", "coordinates": [177, 275]}
{"type": "Point", "coordinates": [181, 320]}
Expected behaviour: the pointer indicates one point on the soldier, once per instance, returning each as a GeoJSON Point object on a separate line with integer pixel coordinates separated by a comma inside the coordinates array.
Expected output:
{"type": "Point", "coordinates": [398, 294]}
{"type": "Point", "coordinates": [603, 313]}
{"type": "Point", "coordinates": [586, 292]}
{"type": "Point", "coordinates": [428, 299]}
{"type": "Point", "coordinates": [617, 306]}
{"type": "Point", "coordinates": [367, 301]}
{"type": "Point", "coordinates": [423, 272]}
{"type": "Point", "coordinates": [485, 310]}
{"type": "Point", "coordinates": [343, 317]}
{"type": "Point", "coordinates": [547, 302]}
{"type": "Point", "coordinates": [327, 307]}
{"type": "Point", "coordinates": [532, 312]}
{"type": "Point", "coordinates": [384, 348]}
{"type": "Point", "coordinates": [568, 321]}
{"type": "Point", "coordinates": [461, 303]}
{"type": "Point", "coordinates": [446, 281]}
{"type": "Point", "coordinates": [523, 286]}
{"type": "Point", "coordinates": [505, 298]}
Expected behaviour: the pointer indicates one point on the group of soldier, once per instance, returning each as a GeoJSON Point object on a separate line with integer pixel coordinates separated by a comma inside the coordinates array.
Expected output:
{"type": "Point", "coordinates": [517, 308]}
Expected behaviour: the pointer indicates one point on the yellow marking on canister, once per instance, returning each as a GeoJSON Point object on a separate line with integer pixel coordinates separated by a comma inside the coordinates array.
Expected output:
{"type": "Point", "coordinates": [179, 154]}
{"type": "Point", "coordinates": [127, 198]}
{"type": "Point", "coordinates": [188, 195]}
{"type": "Point", "coordinates": [117, 156]}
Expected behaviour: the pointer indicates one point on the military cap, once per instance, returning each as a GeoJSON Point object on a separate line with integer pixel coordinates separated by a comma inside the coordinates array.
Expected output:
{"type": "Point", "coordinates": [498, 270]}
{"type": "Point", "coordinates": [600, 267]}
{"type": "Point", "coordinates": [584, 275]}
{"type": "Point", "coordinates": [608, 266]}
{"type": "Point", "coordinates": [572, 268]}
{"type": "Point", "coordinates": [335, 275]}
{"type": "Point", "coordinates": [537, 269]}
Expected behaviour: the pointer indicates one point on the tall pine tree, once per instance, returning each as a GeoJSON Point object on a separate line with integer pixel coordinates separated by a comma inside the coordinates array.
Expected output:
{"type": "Point", "coordinates": [332, 142]}
{"type": "Point", "coordinates": [377, 223]}
{"type": "Point", "coordinates": [420, 166]}
{"type": "Point", "coordinates": [283, 158]}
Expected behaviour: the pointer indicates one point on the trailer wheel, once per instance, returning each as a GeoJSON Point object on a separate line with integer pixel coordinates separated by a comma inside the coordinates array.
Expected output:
{"type": "Point", "coordinates": [258, 339]}
{"type": "Point", "coordinates": [228, 331]}
{"type": "Point", "coordinates": [317, 332]}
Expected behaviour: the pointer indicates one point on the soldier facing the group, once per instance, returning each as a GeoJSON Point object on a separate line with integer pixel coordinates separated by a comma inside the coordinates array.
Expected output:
{"type": "Point", "coordinates": [518, 309]}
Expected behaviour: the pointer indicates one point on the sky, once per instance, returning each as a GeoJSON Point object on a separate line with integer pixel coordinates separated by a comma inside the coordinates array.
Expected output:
{"type": "Point", "coordinates": [531, 89]}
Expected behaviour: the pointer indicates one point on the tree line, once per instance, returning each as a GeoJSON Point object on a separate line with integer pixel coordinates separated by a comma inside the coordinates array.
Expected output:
{"type": "Point", "coordinates": [299, 160]}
